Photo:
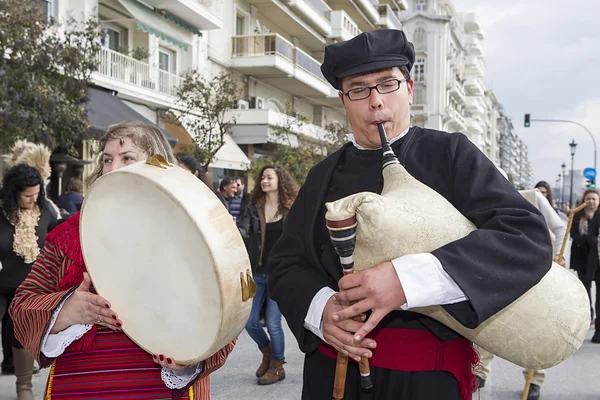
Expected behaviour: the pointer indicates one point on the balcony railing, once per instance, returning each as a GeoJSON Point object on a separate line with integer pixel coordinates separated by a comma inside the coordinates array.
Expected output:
{"type": "Point", "coordinates": [269, 44]}
{"type": "Point", "coordinates": [273, 44]}
{"type": "Point", "coordinates": [320, 6]}
{"type": "Point", "coordinates": [129, 70]}
{"type": "Point", "coordinates": [309, 64]}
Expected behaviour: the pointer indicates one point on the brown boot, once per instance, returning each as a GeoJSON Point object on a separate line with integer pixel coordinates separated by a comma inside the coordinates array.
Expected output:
{"type": "Point", "coordinates": [274, 374]}
{"type": "Point", "coordinates": [264, 365]}
{"type": "Point", "coordinates": [23, 372]}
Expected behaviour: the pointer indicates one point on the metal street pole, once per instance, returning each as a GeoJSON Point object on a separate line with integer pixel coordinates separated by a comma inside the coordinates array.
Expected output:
{"type": "Point", "coordinates": [573, 146]}
{"type": "Point", "coordinates": [576, 123]}
{"type": "Point", "coordinates": [564, 171]}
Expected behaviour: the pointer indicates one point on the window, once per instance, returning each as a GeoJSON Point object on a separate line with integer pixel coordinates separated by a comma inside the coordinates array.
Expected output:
{"type": "Point", "coordinates": [419, 70]}
{"type": "Point", "coordinates": [115, 38]}
{"type": "Point", "coordinates": [240, 44]}
{"type": "Point", "coordinates": [421, 5]}
{"type": "Point", "coordinates": [419, 96]}
{"type": "Point", "coordinates": [112, 39]}
{"type": "Point", "coordinates": [166, 60]}
{"type": "Point", "coordinates": [240, 24]}
{"type": "Point", "coordinates": [420, 38]}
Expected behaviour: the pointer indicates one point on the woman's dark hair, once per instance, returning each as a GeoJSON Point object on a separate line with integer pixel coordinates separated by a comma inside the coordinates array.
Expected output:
{"type": "Point", "coordinates": [74, 185]}
{"type": "Point", "coordinates": [192, 164]}
{"type": "Point", "coordinates": [548, 191]}
{"type": "Point", "coordinates": [16, 180]}
{"type": "Point", "coordinates": [287, 188]}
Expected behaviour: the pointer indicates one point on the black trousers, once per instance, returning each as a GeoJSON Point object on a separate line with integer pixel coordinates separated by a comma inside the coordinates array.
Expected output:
{"type": "Point", "coordinates": [6, 297]}
{"type": "Point", "coordinates": [319, 371]}
{"type": "Point", "coordinates": [587, 283]}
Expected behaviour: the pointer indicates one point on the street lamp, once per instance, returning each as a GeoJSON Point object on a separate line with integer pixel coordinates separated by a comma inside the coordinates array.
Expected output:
{"type": "Point", "coordinates": [564, 170]}
{"type": "Point", "coordinates": [573, 145]}
{"type": "Point", "coordinates": [558, 190]}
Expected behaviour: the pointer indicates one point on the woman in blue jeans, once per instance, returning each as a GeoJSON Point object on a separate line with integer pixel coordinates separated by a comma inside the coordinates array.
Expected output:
{"type": "Point", "coordinates": [261, 227]}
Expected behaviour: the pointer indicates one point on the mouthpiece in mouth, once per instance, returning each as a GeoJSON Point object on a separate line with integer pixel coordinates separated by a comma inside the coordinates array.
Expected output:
{"type": "Point", "coordinates": [389, 157]}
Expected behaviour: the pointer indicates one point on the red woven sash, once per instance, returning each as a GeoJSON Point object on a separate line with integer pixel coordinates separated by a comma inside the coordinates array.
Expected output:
{"type": "Point", "coordinates": [412, 350]}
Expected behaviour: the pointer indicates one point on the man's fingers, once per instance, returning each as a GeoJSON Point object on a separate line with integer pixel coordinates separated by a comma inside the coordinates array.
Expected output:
{"type": "Point", "coordinates": [369, 325]}
{"type": "Point", "coordinates": [352, 351]}
{"type": "Point", "coordinates": [354, 310]}
{"type": "Point", "coordinates": [346, 297]}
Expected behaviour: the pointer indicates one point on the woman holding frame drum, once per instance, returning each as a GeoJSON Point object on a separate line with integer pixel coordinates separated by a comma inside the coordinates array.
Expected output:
{"type": "Point", "coordinates": [62, 322]}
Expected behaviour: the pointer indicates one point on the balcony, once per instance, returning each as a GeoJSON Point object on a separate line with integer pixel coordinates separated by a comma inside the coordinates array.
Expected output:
{"type": "Point", "coordinates": [398, 5]}
{"type": "Point", "coordinates": [474, 87]}
{"type": "Point", "coordinates": [202, 14]}
{"type": "Point", "coordinates": [475, 105]}
{"type": "Point", "coordinates": [455, 119]}
{"type": "Point", "coordinates": [474, 47]}
{"type": "Point", "coordinates": [255, 126]}
{"type": "Point", "coordinates": [472, 25]}
{"type": "Point", "coordinates": [342, 26]}
{"type": "Point", "coordinates": [474, 66]}
{"type": "Point", "coordinates": [135, 78]}
{"type": "Point", "coordinates": [303, 19]}
{"type": "Point", "coordinates": [474, 126]}
{"type": "Point", "coordinates": [388, 18]}
{"type": "Point", "coordinates": [279, 63]}
{"type": "Point", "coordinates": [363, 12]}
{"type": "Point", "coordinates": [457, 91]}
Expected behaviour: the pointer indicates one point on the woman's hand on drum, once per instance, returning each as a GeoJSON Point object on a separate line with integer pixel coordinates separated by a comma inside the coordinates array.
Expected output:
{"type": "Point", "coordinates": [84, 307]}
{"type": "Point", "coordinates": [166, 362]}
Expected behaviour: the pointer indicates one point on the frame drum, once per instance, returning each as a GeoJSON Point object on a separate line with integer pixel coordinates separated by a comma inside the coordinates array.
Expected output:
{"type": "Point", "coordinates": [164, 251]}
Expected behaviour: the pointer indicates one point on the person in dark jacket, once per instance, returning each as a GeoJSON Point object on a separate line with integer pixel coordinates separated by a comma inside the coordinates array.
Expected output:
{"type": "Point", "coordinates": [240, 201]}
{"type": "Point", "coordinates": [472, 278]}
{"type": "Point", "coordinates": [193, 165]}
{"type": "Point", "coordinates": [589, 271]}
{"type": "Point", "coordinates": [25, 219]}
{"type": "Point", "coordinates": [261, 228]}
{"type": "Point", "coordinates": [72, 198]}
{"type": "Point", "coordinates": [227, 189]}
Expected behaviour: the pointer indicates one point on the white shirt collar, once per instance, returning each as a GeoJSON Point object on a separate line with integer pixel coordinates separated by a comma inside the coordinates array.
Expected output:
{"type": "Point", "coordinates": [351, 138]}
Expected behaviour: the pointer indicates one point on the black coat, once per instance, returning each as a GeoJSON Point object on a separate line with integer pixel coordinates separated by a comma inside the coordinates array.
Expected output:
{"type": "Point", "coordinates": [14, 269]}
{"type": "Point", "coordinates": [494, 265]}
{"type": "Point", "coordinates": [252, 228]}
{"type": "Point", "coordinates": [592, 241]}
{"type": "Point", "coordinates": [579, 246]}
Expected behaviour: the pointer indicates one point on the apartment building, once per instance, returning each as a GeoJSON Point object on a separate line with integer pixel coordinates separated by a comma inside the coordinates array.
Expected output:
{"type": "Point", "coordinates": [146, 49]}
{"type": "Point", "coordinates": [276, 48]}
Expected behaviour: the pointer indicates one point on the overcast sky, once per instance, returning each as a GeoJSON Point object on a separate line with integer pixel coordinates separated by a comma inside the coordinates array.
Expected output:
{"type": "Point", "coordinates": [543, 58]}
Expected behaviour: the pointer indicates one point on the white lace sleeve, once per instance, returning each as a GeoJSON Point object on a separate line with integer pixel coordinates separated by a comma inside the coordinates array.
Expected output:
{"type": "Point", "coordinates": [179, 378]}
{"type": "Point", "coordinates": [54, 344]}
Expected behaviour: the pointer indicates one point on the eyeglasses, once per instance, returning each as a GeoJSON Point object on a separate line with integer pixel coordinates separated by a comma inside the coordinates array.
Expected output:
{"type": "Point", "coordinates": [389, 86]}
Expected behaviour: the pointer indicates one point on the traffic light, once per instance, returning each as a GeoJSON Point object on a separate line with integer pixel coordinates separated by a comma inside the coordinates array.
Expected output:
{"type": "Point", "coordinates": [590, 183]}
{"type": "Point", "coordinates": [527, 120]}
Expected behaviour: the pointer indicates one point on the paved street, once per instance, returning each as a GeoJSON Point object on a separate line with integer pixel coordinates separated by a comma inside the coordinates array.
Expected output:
{"type": "Point", "coordinates": [575, 379]}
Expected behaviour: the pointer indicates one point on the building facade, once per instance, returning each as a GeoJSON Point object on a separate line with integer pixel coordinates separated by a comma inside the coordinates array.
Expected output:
{"type": "Point", "coordinates": [275, 49]}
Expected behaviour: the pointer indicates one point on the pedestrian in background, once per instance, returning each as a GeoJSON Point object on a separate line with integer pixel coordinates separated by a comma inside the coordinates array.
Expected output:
{"type": "Point", "coordinates": [261, 228]}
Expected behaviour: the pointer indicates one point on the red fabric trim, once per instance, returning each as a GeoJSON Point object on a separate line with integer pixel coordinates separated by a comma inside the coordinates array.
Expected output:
{"type": "Point", "coordinates": [412, 350]}
{"type": "Point", "coordinates": [66, 238]}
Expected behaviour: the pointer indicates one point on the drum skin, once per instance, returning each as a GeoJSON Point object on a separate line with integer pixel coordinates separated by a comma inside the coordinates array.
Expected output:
{"type": "Point", "coordinates": [539, 330]}
{"type": "Point", "coordinates": [164, 251]}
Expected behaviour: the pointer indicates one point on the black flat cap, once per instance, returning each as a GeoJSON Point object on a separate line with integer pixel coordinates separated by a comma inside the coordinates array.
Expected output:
{"type": "Point", "coordinates": [369, 51]}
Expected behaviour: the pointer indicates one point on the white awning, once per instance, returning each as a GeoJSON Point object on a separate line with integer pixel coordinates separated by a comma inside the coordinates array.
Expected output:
{"type": "Point", "coordinates": [230, 156]}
